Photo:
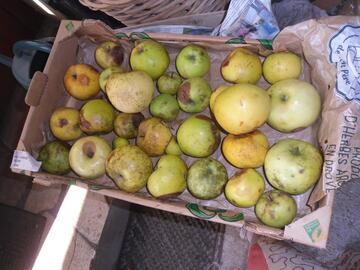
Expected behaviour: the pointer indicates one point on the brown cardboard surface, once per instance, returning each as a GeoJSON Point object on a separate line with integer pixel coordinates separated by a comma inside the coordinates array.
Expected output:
{"type": "Point", "coordinates": [76, 42]}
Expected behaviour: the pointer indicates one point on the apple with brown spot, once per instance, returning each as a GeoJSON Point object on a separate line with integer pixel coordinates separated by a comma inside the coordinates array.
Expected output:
{"type": "Point", "coordinates": [82, 81]}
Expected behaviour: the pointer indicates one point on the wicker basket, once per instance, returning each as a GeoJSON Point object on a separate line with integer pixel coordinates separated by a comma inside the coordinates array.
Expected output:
{"type": "Point", "coordinates": [133, 12]}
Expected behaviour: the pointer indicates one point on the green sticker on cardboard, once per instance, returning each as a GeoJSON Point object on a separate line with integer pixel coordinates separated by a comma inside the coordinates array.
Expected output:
{"type": "Point", "coordinates": [232, 218]}
{"type": "Point", "coordinates": [121, 36]}
{"type": "Point", "coordinates": [69, 27]}
{"type": "Point", "coordinates": [239, 40]}
{"type": "Point", "coordinates": [313, 230]}
{"type": "Point", "coordinates": [266, 43]}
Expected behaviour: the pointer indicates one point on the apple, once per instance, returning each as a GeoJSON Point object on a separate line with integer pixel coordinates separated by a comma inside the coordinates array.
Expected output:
{"type": "Point", "coordinates": [151, 57]}
{"type": "Point", "coordinates": [129, 167]}
{"type": "Point", "coordinates": [55, 158]}
{"type": "Point", "coordinates": [293, 166]}
{"type": "Point", "coordinates": [246, 150]}
{"type": "Point", "coordinates": [215, 94]}
{"type": "Point", "coordinates": [173, 147]}
{"type": "Point", "coordinates": [172, 162]}
{"type": "Point", "coordinates": [109, 54]}
{"type": "Point", "coordinates": [164, 106]}
{"type": "Point", "coordinates": [244, 188]}
{"type": "Point", "coordinates": [88, 155]}
{"type": "Point", "coordinates": [295, 105]}
{"type": "Point", "coordinates": [169, 177]}
{"type": "Point", "coordinates": [126, 124]}
{"type": "Point", "coordinates": [164, 183]}
{"type": "Point", "coordinates": [82, 81]}
{"type": "Point", "coordinates": [65, 124]}
{"type": "Point", "coordinates": [130, 92]}
{"type": "Point", "coordinates": [206, 178]}
{"type": "Point", "coordinates": [281, 66]}
{"type": "Point", "coordinates": [169, 83]}
{"type": "Point", "coordinates": [106, 73]}
{"type": "Point", "coordinates": [153, 136]}
{"type": "Point", "coordinates": [198, 136]}
{"type": "Point", "coordinates": [242, 108]}
{"type": "Point", "coordinates": [97, 116]}
{"type": "Point", "coordinates": [119, 142]}
{"type": "Point", "coordinates": [241, 66]}
{"type": "Point", "coordinates": [276, 209]}
{"type": "Point", "coordinates": [192, 61]}
{"type": "Point", "coordinates": [194, 95]}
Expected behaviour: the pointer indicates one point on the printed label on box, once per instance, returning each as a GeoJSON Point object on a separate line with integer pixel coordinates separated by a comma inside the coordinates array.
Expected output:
{"type": "Point", "coordinates": [24, 161]}
{"type": "Point", "coordinates": [344, 50]}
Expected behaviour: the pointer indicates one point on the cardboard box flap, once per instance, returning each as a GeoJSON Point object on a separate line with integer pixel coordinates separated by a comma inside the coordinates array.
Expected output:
{"type": "Point", "coordinates": [36, 89]}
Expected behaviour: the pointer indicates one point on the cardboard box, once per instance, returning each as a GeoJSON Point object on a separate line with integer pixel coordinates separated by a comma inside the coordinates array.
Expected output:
{"type": "Point", "coordinates": [47, 93]}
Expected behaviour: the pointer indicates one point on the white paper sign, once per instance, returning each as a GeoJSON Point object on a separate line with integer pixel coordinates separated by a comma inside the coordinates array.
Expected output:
{"type": "Point", "coordinates": [24, 161]}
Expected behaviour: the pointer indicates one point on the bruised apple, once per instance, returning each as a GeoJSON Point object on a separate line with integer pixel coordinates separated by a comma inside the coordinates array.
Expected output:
{"type": "Point", "coordinates": [109, 54]}
{"type": "Point", "coordinates": [65, 124]}
{"type": "Point", "coordinates": [241, 66]}
{"type": "Point", "coordinates": [153, 136]}
{"type": "Point", "coordinates": [82, 81]}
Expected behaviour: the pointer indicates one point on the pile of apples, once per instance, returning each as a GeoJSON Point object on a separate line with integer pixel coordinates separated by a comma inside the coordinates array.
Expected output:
{"type": "Point", "coordinates": [238, 109]}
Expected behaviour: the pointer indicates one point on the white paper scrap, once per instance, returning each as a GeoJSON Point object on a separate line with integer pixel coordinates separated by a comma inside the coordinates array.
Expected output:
{"type": "Point", "coordinates": [22, 160]}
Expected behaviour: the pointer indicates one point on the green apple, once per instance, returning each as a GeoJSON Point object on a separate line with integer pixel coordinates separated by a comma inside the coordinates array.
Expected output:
{"type": "Point", "coordinates": [119, 142]}
{"type": "Point", "coordinates": [244, 188]}
{"type": "Point", "coordinates": [87, 156]}
{"type": "Point", "coordinates": [151, 57]}
{"type": "Point", "coordinates": [173, 148]}
{"type": "Point", "coordinates": [109, 54]}
{"type": "Point", "coordinates": [172, 162]}
{"type": "Point", "coordinates": [96, 116]}
{"type": "Point", "coordinates": [198, 136]}
{"type": "Point", "coordinates": [192, 61]}
{"type": "Point", "coordinates": [169, 177]}
{"type": "Point", "coordinates": [293, 166]}
{"type": "Point", "coordinates": [295, 105]}
{"type": "Point", "coordinates": [55, 158]}
{"type": "Point", "coordinates": [194, 95]}
{"type": "Point", "coordinates": [276, 209]}
{"type": "Point", "coordinates": [166, 183]}
{"type": "Point", "coordinates": [169, 83]}
{"type": "Point", "coordinates": [206, 178]}
{"type": "Point", "coordinates": [165, 106]}
{"type": "Point", "coordinates": [129, 167]}
{"type": "Point", "coordinates": [106, 73]}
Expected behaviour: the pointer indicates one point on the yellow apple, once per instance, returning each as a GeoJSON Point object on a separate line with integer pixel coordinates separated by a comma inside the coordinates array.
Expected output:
{"type": "Point", "coordinates": [281, 66]}
{"type": "Point", "coordinates": [247, 150]}
{"type": "Point", "coordinates": [242, 108]}
{"type": "Point", "coordinates": [65, 124]}
{"type": "Point", "coordinates": [130, 92]}
{"type": "Point", "coordinates": [241, 66]}
{"type": "Point", "coordinates": [82, 81]}
{"type": "Point", "coordinates": [245, 188]}
{"type": "Point", "coordinates": [215, 94]}
{"type": "Point", "coordinates": [109, 54]}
